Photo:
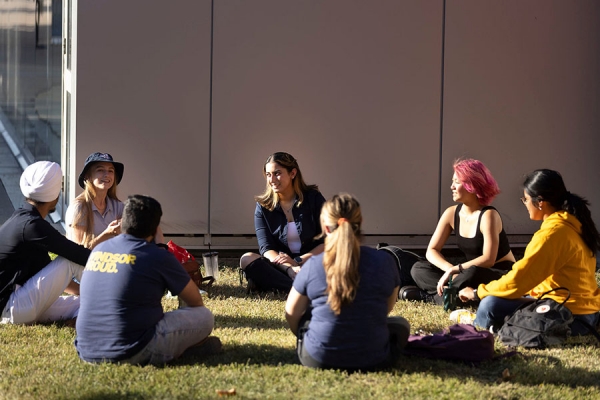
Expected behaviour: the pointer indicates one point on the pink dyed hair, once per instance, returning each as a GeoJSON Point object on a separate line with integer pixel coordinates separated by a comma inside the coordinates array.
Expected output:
{"type": "Point", "coordinates": [477, 179]}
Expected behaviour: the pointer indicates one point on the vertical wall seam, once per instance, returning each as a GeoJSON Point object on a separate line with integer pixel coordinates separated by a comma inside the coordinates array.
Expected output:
{"type": "Point", "coordinates": [442, 110]}
{"type": "Point", "coordinates": [210, 117]}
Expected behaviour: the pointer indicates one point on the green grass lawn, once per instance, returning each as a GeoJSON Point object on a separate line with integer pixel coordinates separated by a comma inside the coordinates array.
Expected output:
{"type": "Point", "coordinates": [259, 361]}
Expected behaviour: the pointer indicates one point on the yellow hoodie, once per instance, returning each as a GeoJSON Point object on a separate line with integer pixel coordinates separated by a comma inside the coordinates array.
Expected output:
{"type": "Point", "coordinates": [556, 256]}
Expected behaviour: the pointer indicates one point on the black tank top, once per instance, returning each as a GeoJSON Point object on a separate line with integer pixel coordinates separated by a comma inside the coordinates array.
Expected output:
{"type": "Point", "coordinates": [473, 247]}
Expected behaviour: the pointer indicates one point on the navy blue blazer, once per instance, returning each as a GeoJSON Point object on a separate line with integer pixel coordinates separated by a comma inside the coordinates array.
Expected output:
{"type": "Point", "coordinates": [271, 226]}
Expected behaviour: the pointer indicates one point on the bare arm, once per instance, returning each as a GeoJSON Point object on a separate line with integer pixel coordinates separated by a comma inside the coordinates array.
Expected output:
{"type": "Point", "coordinates": [191, 295]}
{"type": "Point", "coordinates": [305, 257]}
{"type": "Point", "coordinates": [466, 294]}
{"type": "Point", "coordinates": [317, 250]}
{"type": "Point", "coordinates": [159, 237]}
{"type": "Point", "coordinates": [490, 227]}
{"type": "Point", "coordinates": [76, 233]}
{"type": "Point", "coordinates": [283, 261]}
{"type": "Point", "coordinates": [295, 307]}
{"type": "Point", "coordinates": [438, 240]}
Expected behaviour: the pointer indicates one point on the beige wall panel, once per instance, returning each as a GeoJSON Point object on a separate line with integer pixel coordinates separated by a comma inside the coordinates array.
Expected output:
{"type": "Point", "coordinates": [350, 88]}
{"type": "Point", "coordinates": [143, 95]}
{"type": "Point", "coordinates": [521, 92]}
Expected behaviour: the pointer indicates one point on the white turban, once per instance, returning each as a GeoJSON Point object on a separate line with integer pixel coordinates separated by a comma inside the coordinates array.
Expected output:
{"type": "Point", "coordinates": [42, 181]}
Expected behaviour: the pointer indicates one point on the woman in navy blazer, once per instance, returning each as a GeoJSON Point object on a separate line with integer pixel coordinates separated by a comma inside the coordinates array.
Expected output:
{"type": "Point", "coordinates": [286, 221]}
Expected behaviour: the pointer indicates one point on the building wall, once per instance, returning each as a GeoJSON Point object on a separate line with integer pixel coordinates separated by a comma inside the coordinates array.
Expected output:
{"type": "Point", "coordinates": [373, 98]}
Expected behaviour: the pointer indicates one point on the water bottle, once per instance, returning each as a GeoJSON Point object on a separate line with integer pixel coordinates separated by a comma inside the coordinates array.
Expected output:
{"type": "Point", "coordinates": [450, 295]}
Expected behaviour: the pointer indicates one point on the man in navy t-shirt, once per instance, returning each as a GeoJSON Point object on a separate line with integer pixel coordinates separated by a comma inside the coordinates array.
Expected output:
{"type": "Point", "coordinates": [121, 317]}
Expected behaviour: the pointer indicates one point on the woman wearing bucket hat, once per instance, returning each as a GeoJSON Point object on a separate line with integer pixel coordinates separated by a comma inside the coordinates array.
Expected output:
{"type": "Point", "coordinates": [95, 215]}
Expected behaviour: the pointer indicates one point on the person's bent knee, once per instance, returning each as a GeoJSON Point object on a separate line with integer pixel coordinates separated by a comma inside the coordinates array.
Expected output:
{"type": "Point", "coordinates": [483, 317]}
{"type": "Point", "coordinates": [247, 258]}
{"type": "Point", "coordinates": [492, 310]}
{"type": "Point", "coordinates": [421, 268]}
{"type": "Point", "coordinates": [205, 317]}
{"type": "Point", "coordinates": [189, 318]}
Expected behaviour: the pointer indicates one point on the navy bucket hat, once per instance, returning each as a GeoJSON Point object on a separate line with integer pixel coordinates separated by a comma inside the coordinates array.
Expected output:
{"type": "Point", "coordinates": [100, 157]}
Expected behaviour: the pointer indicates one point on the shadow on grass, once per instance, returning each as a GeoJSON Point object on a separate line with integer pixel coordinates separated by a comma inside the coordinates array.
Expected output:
{"type": "Point", "coordinates": [228, 321]}
{"type": "Point", "coordinates": [248, 354]}
{"type": "Point", "coordinates": [111, 395]}
{"type": "Point", "coordinates": [523, 369]}
{"type": "Point", "coordinates": [223, 290]}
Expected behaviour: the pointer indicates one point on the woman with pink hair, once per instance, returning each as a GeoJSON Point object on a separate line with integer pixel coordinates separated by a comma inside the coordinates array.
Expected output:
{"type": "Point", "coordinates": [479, 235]}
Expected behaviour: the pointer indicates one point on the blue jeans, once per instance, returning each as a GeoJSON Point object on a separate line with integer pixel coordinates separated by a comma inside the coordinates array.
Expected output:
{"type": "Point", "coordinates": [492, 311]}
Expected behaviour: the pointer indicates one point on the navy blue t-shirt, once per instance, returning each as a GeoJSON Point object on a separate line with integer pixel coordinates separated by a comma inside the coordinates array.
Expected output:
{"type": "Point", "coordinates": [122, 286]}
{"type": "Point", "coordinates": [358, 337]}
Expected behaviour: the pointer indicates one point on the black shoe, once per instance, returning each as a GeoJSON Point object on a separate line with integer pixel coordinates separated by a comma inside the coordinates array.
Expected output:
{"type": "Point", "coordinates": [209, 346]}
{"type": "Point", "coordinates": [413, 293]}
{"type": "Point", "coordinates": [251, 286]}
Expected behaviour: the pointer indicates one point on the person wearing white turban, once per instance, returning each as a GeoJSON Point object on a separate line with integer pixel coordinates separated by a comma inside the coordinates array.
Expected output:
{"type": "Point", "coordinates": [41, 181]}
{"type": "Point", "coordinates": [31, 285]}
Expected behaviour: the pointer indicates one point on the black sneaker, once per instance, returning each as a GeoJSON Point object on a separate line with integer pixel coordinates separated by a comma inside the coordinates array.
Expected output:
{"type": "Point", "coordinates": [251, 286]}
{"type": "Point", "coordinates": [209, 346]}
{"type": "Point", "coordinates": [413, 293]}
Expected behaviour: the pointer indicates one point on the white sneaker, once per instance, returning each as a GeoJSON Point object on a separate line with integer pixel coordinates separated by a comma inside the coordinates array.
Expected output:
{"type": "Point", "coordinates": [462, 316]}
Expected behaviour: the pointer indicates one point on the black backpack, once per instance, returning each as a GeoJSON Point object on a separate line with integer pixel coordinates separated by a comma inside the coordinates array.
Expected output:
{"type": "Point", "coordinates": [404, 260]}
{"type": "Point", "coordinates": [539, 324]}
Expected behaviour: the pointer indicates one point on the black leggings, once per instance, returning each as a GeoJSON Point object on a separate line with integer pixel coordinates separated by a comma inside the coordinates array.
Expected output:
{"type": "Point", "coordinates": [266, 276]}
{"type": "Point", "coordinates": [427, 275]}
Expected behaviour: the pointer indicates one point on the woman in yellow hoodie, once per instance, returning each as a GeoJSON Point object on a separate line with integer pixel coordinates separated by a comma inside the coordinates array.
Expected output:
{"type": "Point", "coordinates": [561, 253]}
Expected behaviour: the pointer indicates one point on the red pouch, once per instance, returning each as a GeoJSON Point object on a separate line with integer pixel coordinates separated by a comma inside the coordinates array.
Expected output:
{"type": "Point", "coordinates": [191, 266]}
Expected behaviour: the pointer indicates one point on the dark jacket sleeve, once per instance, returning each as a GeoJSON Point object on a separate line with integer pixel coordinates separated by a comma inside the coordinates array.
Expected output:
{"type": "Point", "coordinates": [266, 240]}
{"type": "Point", "coordinates": [270, 226]}
{"type": "Point", "coordinates": [42, 233]}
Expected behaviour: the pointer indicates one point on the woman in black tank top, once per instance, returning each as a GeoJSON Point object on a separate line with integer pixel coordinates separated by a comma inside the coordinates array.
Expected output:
{"type": "Point", "coordinates": [479, 235]}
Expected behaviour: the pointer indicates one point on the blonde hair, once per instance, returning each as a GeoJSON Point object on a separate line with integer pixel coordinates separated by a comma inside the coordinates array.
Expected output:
{"type": "Point", "coordinates": [341, 216]}
{"type": "Point", "coordinates": [84, 209]}
{"type": "Point", "coordinates": [269, 199]}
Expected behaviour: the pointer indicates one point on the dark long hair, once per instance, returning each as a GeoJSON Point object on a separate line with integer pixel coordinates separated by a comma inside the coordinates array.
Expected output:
{"type": "Point", "coordinates": [548, 185]}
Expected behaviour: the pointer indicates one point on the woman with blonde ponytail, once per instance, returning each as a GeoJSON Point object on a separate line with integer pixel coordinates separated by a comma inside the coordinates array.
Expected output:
{"type": "Point", "coordinates": [340, 300]}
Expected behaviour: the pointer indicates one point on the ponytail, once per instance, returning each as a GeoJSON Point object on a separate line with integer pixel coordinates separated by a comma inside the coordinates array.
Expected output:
{"type": "Point", "coordinates": [341, 216]}
{"type": "Point", "coordinates": [548, 185]}
{"type": "Point", "coordinates": [578, 206]}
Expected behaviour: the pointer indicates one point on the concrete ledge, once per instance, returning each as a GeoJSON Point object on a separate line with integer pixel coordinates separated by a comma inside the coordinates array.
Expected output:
{"type": "Point", "coordinates": [249, 242]}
